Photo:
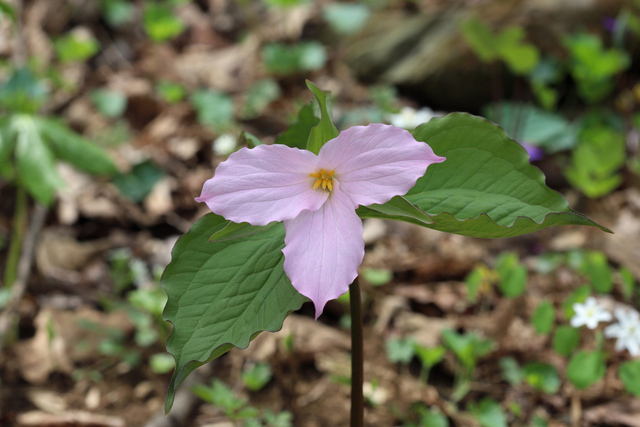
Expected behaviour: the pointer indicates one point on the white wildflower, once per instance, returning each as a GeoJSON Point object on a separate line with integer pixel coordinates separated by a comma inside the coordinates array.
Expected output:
{"type": "Point", "coordinates": [590, 314]}
{"type": "Point", "coordinates": [410, 118]}
{"type": "Point", "coordinates": [225, 144]}
{"type": "Point", "coordinates": [627, 331]}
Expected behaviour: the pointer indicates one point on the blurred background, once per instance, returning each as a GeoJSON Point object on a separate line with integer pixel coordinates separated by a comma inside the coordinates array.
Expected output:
{"type": "Point", "coordinates": [113, 113]}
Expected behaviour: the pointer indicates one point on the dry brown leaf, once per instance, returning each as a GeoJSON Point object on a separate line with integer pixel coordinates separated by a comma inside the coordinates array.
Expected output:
{"type": "Point", "coordinates": [75, 418]}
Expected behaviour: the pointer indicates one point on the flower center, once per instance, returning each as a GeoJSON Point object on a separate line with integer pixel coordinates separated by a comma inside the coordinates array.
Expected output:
{"type": "Point", "coordinates": [324, 178]}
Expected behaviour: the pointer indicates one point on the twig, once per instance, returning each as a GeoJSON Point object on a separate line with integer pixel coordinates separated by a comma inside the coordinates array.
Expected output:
{"type": "Point", "coordinates": [24, 271]}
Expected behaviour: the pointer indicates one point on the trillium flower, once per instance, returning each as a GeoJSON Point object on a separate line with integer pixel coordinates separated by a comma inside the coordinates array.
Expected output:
{"type": "Point", "coordinates": [627, 330]}
{"type": "Point", "coordinates": [316, 197]}
{"type": "Point", "coordinates": [590, 314]}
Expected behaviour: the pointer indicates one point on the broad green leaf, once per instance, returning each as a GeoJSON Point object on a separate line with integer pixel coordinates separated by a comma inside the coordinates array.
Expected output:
{"type": "Point", "coordinates": [629, 373]}
{"type": "Point", "coordinates": [160, 22]}
{"type": "Point", "coordinates": [73, 148]}
{"type": "Point", "coordinates": [325, 130]}
{"type": "Point", "coordinates": [480, 38]}
{"type": "Point", "coordinates": [23, 92]}
{"type": "Point", "coordinates": [297, 134]}
{"type": "Point", "coordinates": [565, 339]}
{"type": "Point", "coordinates": [346, 18]}
{"type": "Point", "coordinates": [214, 108]}
{"type": "Point", "coordinates": [597, 268]}
{"type": "Point", "coordinates": [542, 376]}
{"type": "Point", "coordinates": [488, 412]}
{"type": "Point", "coordinates": [36, 168]}
{"type": "Point", "coordinates": [76, 47]}
{"type": "Point", "coordinates": [400, 350]}
{"type": "Point", "coordinates": [543, 317]}
{"type": "Point", "coordinates": [223, 294]}
{"type": "Point", "coordinates": [138, 183]}
{"type": "Point", "coordinates": [586, 368]}
{"type": "Point", "coordinates": [486, 187]}
{"type": "Point", "coordinates": [235, 230]}
{"type": "Point", "coordinates": [117, 12]}
{"type": "Point", "coordinates": [399, 209]}
{"type": "Point", "coordinates": [511, 370]}
{"type": "Point", "coordinates": [513, 275]}
{"type": "Point", "coordinates": [286, 59]}
{"type": "Point", "coordinates": [111, 103]}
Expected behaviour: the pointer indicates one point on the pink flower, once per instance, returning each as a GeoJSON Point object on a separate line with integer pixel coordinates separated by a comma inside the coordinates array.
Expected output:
{"type": "Point", "coordinates": [316, 196]}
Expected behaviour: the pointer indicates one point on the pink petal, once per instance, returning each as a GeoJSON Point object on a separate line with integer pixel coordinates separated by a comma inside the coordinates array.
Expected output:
{"type": "Point", "coordinates": [323, 249]}
{"type": "Point", "coordinates": [264, 184]}
{"type": "Point", "coordinates": [376, 162]}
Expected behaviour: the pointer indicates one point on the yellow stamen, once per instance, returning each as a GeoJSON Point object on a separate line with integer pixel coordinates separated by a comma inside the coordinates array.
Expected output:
{"type": "Point", "coordinates": [324, 178]}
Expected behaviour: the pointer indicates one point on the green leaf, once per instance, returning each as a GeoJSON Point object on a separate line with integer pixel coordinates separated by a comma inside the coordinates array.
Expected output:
{"type": "Point", "coordinates": [346, 18]}
{"type": "Point", "coordinates": [283, 59]}
{"type": "Point", "coordinates": [430, 418]}
{"type": "Point", "coordinates": [7, 144]}
{"type": "Point", "coordinates": [480, 38]}
{"type": "Point", "coordinates": [73, 148]}
{"type": "Point", "coordinates": [161, 363]}
{"type": "Point", "coordinates": [110, 103]}
{"type": "Point", "coordinates": [488, 412]}
{"type": "Point", "coordinates": [376, 276]}
{"type": "Point", "coordinates": [400, 350]}
{"type": "Point", "coordinates": [628, 281]}
{"type": "Point", "coordinates": [513, 275]}
{"type": "Point", "coordinates": [325, 130]}
{"type": "Point", "coordinates": [543, 317]}
{"type": "Point", "coordinates": [234, 231]}
{"type": "Point", "coordinates": [468, 348]}
{"type": "Point", "coordinates": [542, 376]}
{"type": "Point", "coordinates": [215, 109]}
{"type": "Point", "coordinates": [629, 373]}
{"type": "Point", "coordinates": [223, 294]}
{"type": "Point", "coordinates": [579, 295]}
{"type": "Point", "coordinates": [160, 22]}
{"type": "Point", "coordinates": [596, 267]}
{"type": "Point", "coordinates": [486, 187]}
{"type": "Point", "coordinates": [399, 209]}
{"type": "Point", "coordinates": [586, 368]}
{"type": "Point", "coordinates": [259, 96]}
{"type": "Point", "coordinates": [429, 356]}
{"type": "Point", "coordinates": [23, 92]}
{"type": "Point", "coordinates": [565, 339]}
{"type": "Point", "coordinates": [171, 92]}
{"type": "Point", "coordinates": [74, 47]}
{"type": "Point", "coordinates": [297, 134]}
{"type": "Point", "coordinates": [117, 12]}
{"type": "Point", "coordinates": [35, 163]}
{"type": "Point", "coordinates": [511, 371]}
{"type": "Point", "coordinates": [257, 376]}
{"type": "Point", "coordinates": [139, 182]}
{"type": "Point", "coordinates": [7, 10]}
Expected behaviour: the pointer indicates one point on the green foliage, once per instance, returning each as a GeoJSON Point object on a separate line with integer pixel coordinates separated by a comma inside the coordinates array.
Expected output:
{"type": "Point", "coordinates": [579, 295]}
{"type": "Point", "coordinates": [221, 396]}
{"type": "Point", "coordinates": [171, 92]}
{"type": "Point", "coordinates": [513, 275]}
{"type": "Point", "coordinates": [160, 22]}
{"type": "Point", "coordinates": [488, 412]}
{"type": "Point", "coordinates": [527, 123]}
{"type": "Point", "coordinates": [76, 48]}
{"type": "Point", "coordinates": [233, 289]}
{"type": "Point", "coordinates": [346, 18]}
{"type": "Point", "coordinates": [511, 371]}
{"type": "Point", "coordinates": [377, 276]}
{"type": "Point", "coordinates": [542, 377]}
{"type": "Point", "coordinates": [7, 11]}
{"type": "Point", "coordinates": [486, 187]}
{"type": "Point", "coordinates": [468, 348]}
{"type": "Point", "coordinates": [110, 103]}
{"type": "Point", "coordinates": [596, 266]}
{"type": "Point", "coordinates": [400, 350]}
{"type": "Point", "coordinates": [565, 340]}
{"type": "Point", "coordinates": [162, 363]}
{"type": "Point", "coordinates": [629, 373]}
{"type": "Point", "coordinates": [258, 97]}
{"type": "Point", "coordinates": [586, 368]}
{"type": "Point", "coordinates": [283, 59]}
{"type": "Point", "coordinates": [22, 93]}
{"type": "Point", "coordinates": [256, 376]}
{"type": "Point", "coordinates": [543, 317]}
{"type": "Point", "coordinates": [138, 183]}
{"type": "Point", "coordinates": [628, 283]}
{"type": "Point", "coordinates": [325, 130]}
{"type": "Point", "coordinates": [298, 132]}
{"type": "Point", "coordinates": [596, 161]}
{"type": "Point", "coordinates": [432, 418]}
{"type": "Point", "coordinates": [117, 12]}
{"type": "Point", "coordinates": [592, 66]}
{"type": "Point", "coordinates": [508, 45]}
{"type": "Point", "coordinates": [214, 109]}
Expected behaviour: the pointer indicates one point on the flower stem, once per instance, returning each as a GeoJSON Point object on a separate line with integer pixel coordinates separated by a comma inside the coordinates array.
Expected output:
{"type": "Point", "coordinates": [357, 356]}
{"type": "Point", "coordinates": [19, 229]}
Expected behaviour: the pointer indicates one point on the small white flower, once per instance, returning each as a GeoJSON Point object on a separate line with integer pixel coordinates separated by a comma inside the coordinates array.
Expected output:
{"type": "Point", "coordinates": [225, 144]}
{"type": "Point", "coordinates": [410, 118]}
{"type": "Point", "coordinates": [627, 330]}
{"type": "Point", "coordinates": [590, 314]}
